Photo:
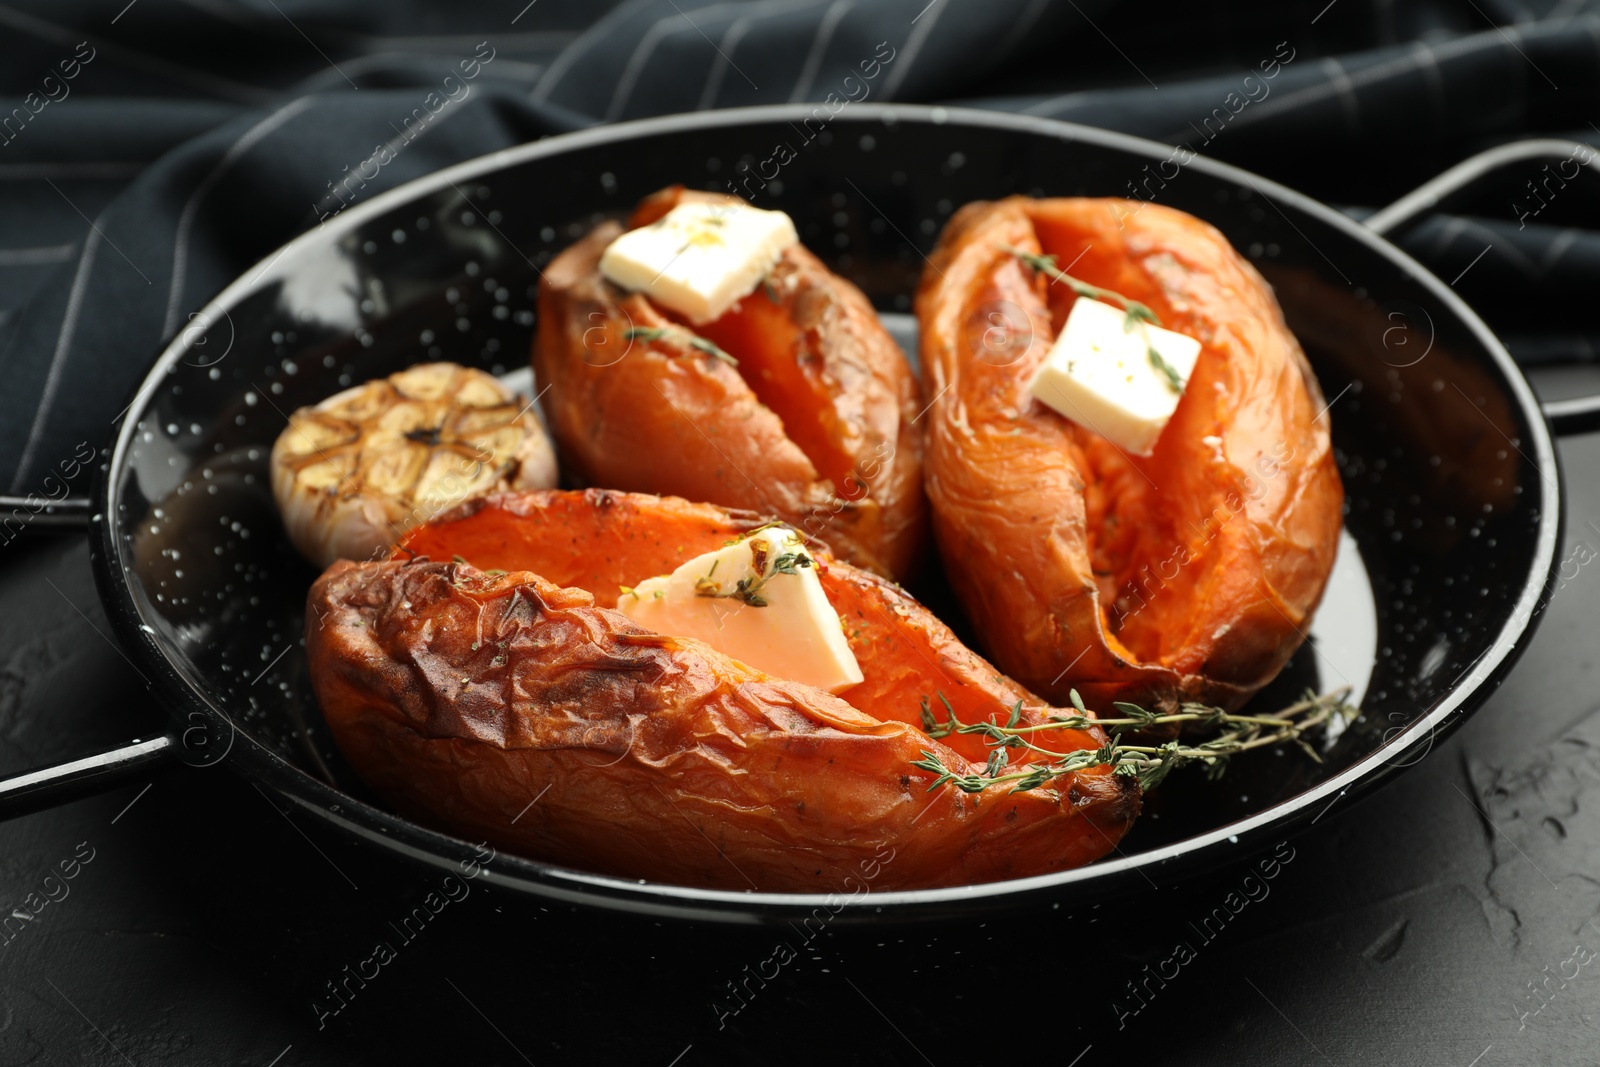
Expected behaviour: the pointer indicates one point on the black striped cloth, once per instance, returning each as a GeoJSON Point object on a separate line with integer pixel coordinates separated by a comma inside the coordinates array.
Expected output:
{"type": "Point", "coordinates": [151, 150]}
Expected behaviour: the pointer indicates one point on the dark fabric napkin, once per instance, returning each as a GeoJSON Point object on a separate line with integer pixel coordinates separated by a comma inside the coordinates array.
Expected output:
{"type": "Point", "coordinates": [152, 150]}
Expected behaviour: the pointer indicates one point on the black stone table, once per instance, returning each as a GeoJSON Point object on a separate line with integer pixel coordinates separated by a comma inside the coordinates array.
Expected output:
{"type": "Point", "coordinates": [1453, 918]}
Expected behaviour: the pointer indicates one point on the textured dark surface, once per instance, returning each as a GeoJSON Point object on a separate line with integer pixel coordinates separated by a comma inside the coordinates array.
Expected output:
{"type": "Point", "coordinates": [1412, 927]}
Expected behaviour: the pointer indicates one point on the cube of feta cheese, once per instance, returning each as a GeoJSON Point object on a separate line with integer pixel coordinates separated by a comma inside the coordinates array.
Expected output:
{"type": "Point", "coordinates": [1100, 374]}
{"type": "Point", "coordinates": [700, 258]}
{"type": "Point", "coordinates": [758, 600]}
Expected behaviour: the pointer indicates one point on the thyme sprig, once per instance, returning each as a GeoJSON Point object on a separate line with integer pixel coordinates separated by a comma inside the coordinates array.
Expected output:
{"type": "Point", "coordinates": [1175, 381]}
{"type": "Point", "coordinates": [747, 590]}
{"type": "Point", "coordinates": [1135, 311]}
{"type": "Point", "coordinates": [1046, 265]}
{"type": "Point", "coordinates": [1149, 763]}
{"type": "Point", "coordinates": [693, 340]}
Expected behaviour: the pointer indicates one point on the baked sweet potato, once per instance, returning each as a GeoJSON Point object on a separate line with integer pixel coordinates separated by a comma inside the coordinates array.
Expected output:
{"type": "Point", "coordinates": [813, 425]}
{"type": "Point", "coordinates": [1190, 574]}
{"type": "Point", "coordinates": [460, 695]}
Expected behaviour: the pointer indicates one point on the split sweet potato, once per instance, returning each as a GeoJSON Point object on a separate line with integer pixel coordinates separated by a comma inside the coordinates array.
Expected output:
{"type": "Point", "coordinates": [1191, 574]}
{"type": "Point", "coordinates": [813, 424]}
{"type": "Point", "coordinates": [460, 695]}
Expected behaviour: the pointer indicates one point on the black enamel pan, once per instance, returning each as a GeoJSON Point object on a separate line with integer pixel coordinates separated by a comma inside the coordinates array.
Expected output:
{"type": "Point", "coordinates": [1453, 523]}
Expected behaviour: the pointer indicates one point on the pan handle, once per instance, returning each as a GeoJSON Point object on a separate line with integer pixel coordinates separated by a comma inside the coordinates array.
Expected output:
{"type": "Point", "coordinates": [1574, 415]}
{"type": "Point", "coordinates": [21, 514]}
{"type": "Point", "coordinates": [1453, 185]}
{"type": "Point", "coordinates": [48, 787]}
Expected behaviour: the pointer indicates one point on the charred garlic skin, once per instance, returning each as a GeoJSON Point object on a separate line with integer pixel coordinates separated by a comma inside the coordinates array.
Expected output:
{"type": "Point", "coordinates": [352, 474]}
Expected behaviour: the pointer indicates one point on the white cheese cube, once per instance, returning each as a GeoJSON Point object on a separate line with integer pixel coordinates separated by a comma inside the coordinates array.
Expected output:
{"type": "Point", "coordinates": [700, 259]}
{"type": "Point", "coordinates": [1100, 374]}
{"type": "Point", "coordinates": [758, 600]}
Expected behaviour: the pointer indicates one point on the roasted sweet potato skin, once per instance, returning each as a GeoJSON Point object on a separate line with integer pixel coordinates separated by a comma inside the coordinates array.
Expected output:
{"type": "Point", "coordinates": [461, 696]}
{"type": "Point", "coordinates": [1188, 575]}
{"type": "Point", "coordinates": [814, 425]}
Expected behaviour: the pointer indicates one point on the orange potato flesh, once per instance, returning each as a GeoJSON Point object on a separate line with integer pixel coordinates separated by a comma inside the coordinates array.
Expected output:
{"type": "Point", "coordinates": [774, 360]}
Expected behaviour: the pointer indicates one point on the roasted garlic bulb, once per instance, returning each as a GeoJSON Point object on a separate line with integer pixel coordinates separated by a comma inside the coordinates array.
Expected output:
{"type": "Point", "coordinates": [352, 474]}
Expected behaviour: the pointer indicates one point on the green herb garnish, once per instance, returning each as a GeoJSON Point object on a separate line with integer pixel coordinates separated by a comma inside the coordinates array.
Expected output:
{"type": "Point", "coordinates": [1136, 312]}
{"type": "Point", "coordinates": [1149, 763]}
{"type": "Point", "coordinates": [747, 590]}
{"type": "Point", "coordinates": [1174, 379]}
{"type": "Point", "coordinates": [698, 343]}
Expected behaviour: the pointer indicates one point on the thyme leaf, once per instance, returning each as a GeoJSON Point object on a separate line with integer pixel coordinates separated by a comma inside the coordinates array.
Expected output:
{"type": "Point", "coordinates": [682, 336]}
{"type": "Point", "coordinates": [710, 349]}
{"type": "Point", "coordinates": [1175, 381]}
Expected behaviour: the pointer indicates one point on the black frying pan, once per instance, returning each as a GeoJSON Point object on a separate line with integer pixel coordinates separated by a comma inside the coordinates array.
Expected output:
{"type": "Point", "coordinates": [1453, 524]}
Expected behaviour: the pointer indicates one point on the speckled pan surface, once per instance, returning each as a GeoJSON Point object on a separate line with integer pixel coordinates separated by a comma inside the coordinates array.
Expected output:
{"type": "Point", "coordinates": [1453, 515]}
